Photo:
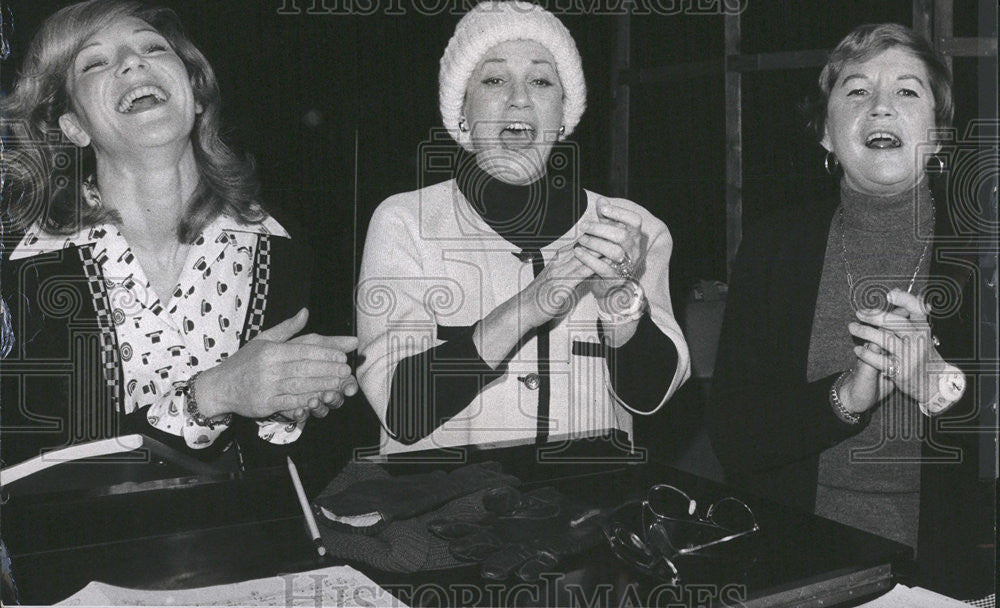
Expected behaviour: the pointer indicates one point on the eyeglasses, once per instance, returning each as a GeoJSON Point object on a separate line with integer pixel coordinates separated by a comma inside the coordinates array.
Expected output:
{"type": "Point", "coordinates": [672, 527]}
{"type": "Point", "coordinates": [730, 516]}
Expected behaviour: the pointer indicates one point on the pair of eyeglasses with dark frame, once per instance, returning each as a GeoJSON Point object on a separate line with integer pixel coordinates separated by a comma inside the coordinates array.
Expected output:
{"type": "Point", "coordinates": [663, 512]}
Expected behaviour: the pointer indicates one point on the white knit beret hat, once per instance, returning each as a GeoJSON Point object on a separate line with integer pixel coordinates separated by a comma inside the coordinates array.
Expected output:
{"type": "Point", "coordinates": [487, 25]}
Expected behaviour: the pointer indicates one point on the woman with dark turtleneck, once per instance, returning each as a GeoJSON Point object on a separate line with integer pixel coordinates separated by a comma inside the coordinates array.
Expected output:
{"type": "Point", "coordinates": [848, 328]}
{"type": "Point", "coordinates": [508, 304]}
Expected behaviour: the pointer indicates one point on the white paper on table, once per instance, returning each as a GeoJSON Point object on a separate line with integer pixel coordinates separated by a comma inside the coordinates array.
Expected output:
{"type": "Point", "coordinates": [333, 586]}
{"type": "Point", "coordinates": [902, 596]}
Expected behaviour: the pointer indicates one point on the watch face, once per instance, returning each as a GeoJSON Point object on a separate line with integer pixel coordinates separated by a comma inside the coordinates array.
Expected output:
{"type": "Point", "coordinates": [638, 296]}
{"type": "Point", "coordinates": [626, 300]}
{"type": "Point", "coordinates": [952, 385]}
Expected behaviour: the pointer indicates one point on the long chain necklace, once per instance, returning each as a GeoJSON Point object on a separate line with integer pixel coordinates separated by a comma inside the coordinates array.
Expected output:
{"type": "Point", "coordinates": [847, 267]}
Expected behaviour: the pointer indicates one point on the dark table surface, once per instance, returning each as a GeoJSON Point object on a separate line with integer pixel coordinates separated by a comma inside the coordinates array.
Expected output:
{"type": "Point", "coordinates": [206, 530]}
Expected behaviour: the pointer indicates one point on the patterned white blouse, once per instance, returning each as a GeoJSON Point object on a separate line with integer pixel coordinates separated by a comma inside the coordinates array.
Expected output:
{"type": "Point", "coordinates": [163, 344]}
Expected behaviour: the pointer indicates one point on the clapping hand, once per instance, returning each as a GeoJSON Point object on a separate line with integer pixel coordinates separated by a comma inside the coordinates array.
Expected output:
{"type": "Point", "coordinates": [612, 248]}
{"type": "Point", "coordinates": [553, 292]}
{"type": "Point", "coordinates": [319, 405]}
{"type": "Point", "coordinates": [905, 350]}
{"type": "Point", "coordinates": [276, 372]}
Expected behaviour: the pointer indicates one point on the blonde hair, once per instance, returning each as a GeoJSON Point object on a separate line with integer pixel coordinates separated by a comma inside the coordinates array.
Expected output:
{"type": "Point", "coordinates": [45, 187]}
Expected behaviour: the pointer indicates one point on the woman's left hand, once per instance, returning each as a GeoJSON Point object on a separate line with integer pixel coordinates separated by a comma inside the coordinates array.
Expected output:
{"type": "Point", "coordinates": [906, 353]}
{"type": "Point", "coordinates": [320, 404]}
{"type": "Point", "coordinates": [615, 238]}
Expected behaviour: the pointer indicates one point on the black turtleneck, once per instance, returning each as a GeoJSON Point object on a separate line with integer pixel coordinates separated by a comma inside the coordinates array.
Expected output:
{"type": "Point", "coordinates": [426, 392]}
{"type": "Point", "coordinates": [531, 216]}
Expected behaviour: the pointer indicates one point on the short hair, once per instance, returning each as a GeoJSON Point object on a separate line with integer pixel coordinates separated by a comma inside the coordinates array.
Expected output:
{"type": "Point", "coordinates": [866, 41]}
{"type": "Point", "coordinates": [49, 190]}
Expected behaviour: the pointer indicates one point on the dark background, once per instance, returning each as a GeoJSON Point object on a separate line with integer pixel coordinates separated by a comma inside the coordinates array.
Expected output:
{"type": "Point", "coordinates": [335, 108]}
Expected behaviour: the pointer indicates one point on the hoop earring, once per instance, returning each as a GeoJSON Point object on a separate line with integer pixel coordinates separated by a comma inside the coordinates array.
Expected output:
{"type": "Point", "coordinates": [830, 163]}
{"type": "Point", "coordinates": [91, 194]}
{"type": "Point", "coordinates": [462, 126]}
{"type": "Point", "coordinates": [939, 170]}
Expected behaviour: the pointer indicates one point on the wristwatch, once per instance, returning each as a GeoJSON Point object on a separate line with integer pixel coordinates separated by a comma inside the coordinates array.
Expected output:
{"type": "Point", "coordinates": [950, 388]}
{"type": "Point", "coordinates": [191, 406]}
{"type": "Point", "coordinates": [628, 303]}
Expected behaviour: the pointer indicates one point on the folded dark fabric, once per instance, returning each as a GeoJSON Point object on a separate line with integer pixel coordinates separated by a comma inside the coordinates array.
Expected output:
{"type": "Point", "coordinates": [368, 505]}
{"type": "Point", "coordinates": [366, 515]}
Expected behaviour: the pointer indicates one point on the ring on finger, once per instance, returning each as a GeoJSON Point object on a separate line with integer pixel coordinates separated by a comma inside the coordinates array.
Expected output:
{"type": "Point", "coordinates": [891, 371]}
{"type": "Point", "coordinates": [625, 268]}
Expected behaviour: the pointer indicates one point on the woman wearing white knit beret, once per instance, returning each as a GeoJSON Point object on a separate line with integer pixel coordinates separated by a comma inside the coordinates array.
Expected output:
{"type": "Point", "coordinates": [508, 304]}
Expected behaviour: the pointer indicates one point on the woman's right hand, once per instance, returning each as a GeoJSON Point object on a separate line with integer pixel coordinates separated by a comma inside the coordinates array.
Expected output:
{"type": "Point", "coordinates": [553, 292]}
{"type": "Point", "coordinates": [275, 372]}
{"type": "Point", "coordinates": [863, 388]}
{"type": "Point", "coordinates": [866, 386]}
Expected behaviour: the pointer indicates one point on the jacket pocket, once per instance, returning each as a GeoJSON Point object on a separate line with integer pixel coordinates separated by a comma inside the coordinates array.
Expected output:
{"type": "Point", "coordinates": [448, 333]}
{"type": "Point", "coordinates": [589, 349]}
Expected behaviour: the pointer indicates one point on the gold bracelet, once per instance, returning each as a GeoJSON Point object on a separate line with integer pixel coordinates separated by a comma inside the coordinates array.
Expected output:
{"type": "Point", "coordinates": [838, 406]}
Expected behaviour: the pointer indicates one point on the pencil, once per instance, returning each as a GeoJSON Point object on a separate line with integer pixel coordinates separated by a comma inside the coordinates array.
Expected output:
{"type": "Point", "coordinates": [310, 519]}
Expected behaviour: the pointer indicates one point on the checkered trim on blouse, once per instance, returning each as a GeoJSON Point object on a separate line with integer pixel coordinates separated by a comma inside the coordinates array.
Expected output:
{"type": "Point", "coordinates": [990, 601]}
{"type": "Point", "coordinates": [109, 338]}
{"type": "Point", "coordinates": [259, 290]}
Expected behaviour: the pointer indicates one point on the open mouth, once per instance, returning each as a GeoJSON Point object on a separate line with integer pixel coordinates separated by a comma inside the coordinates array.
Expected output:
{"type": "Point", "coordinates": [882, 140]}
{"type": "Point", "coordinates": [141, 98]}
{"type": "Point", "coordinates": [518, 133]}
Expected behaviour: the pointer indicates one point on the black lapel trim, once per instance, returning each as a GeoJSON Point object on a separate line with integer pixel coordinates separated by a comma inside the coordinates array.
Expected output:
{"type": "Point", "coordinates": [542, 337]}
{"type": "Point", "coordinates": [811, 249]}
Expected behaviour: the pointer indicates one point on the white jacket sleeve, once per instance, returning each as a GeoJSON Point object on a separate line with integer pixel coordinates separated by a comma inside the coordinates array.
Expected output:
{"type": "Point", "coordinates": [396, 302]}
{"type": "Point", "coordinates": [655, 281]}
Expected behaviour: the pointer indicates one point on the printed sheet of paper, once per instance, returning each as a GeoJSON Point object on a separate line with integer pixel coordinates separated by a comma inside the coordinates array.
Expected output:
{"type": "Point", "coordinates": [902, 596]}
{"type": "Point", "coordinates": [334, 586]}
